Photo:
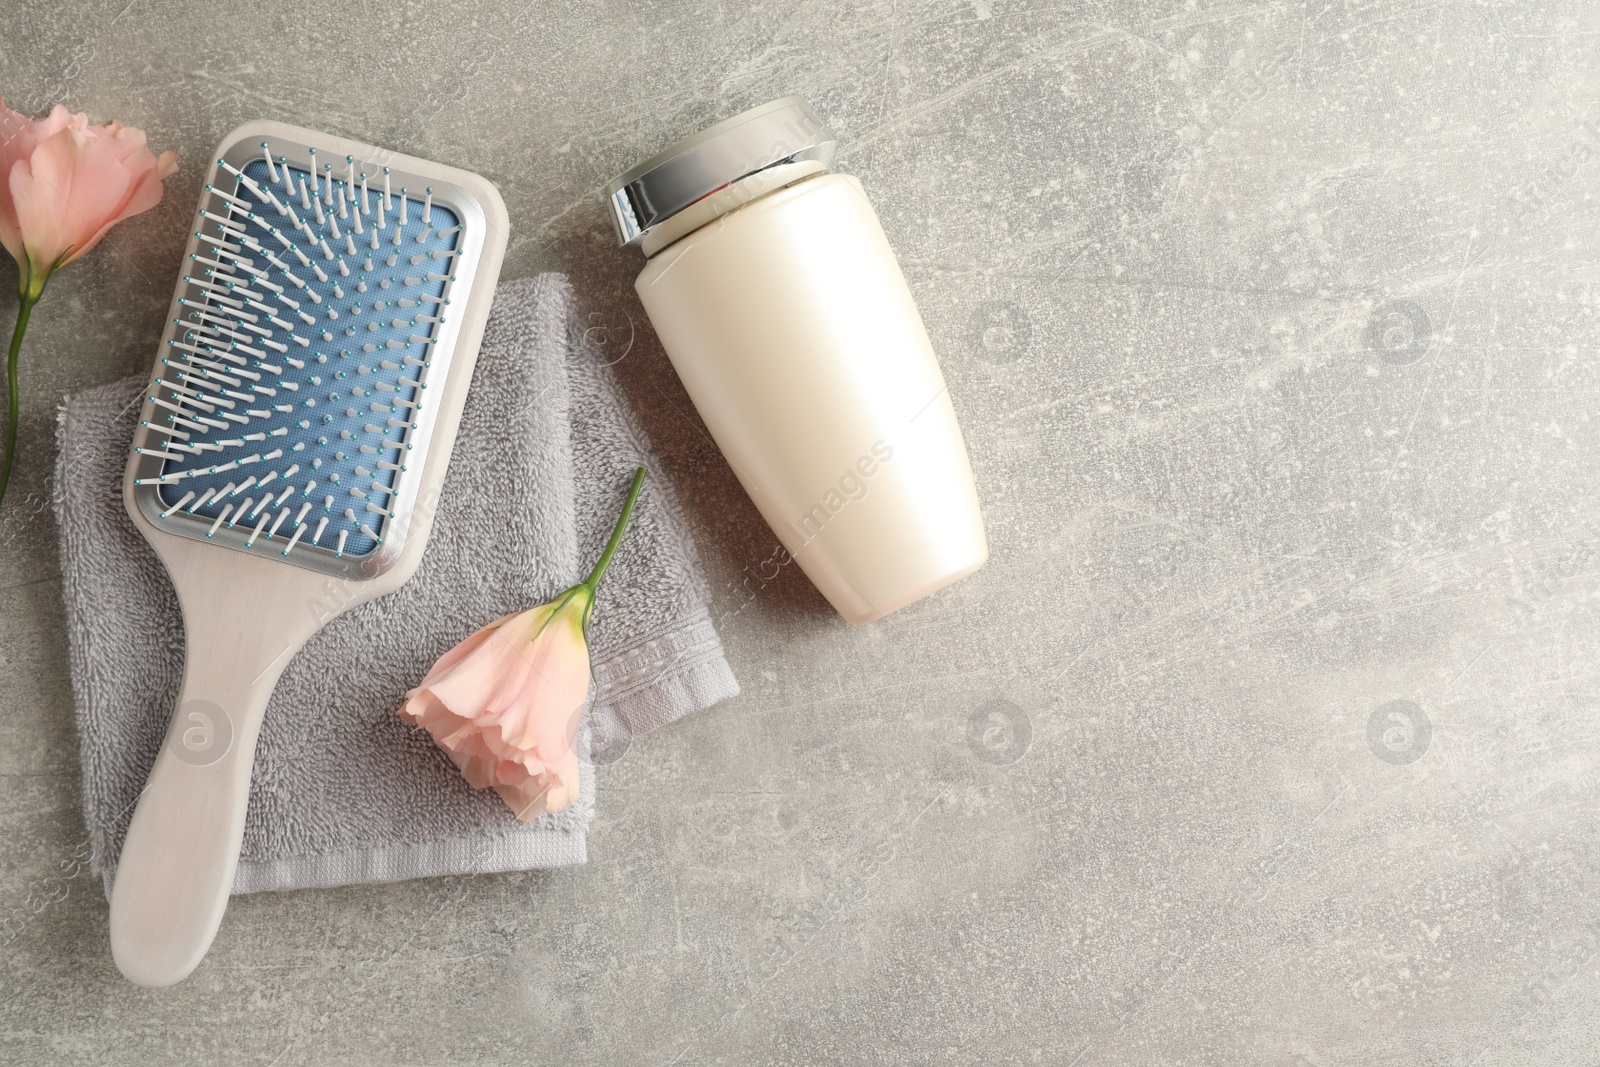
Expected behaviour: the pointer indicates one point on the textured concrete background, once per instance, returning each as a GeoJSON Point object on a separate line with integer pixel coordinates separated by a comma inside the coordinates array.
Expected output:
{"type": "Point", "coordinates": [1267, 736]}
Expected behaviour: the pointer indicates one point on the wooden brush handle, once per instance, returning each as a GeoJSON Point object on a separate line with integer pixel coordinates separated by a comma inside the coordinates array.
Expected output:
{"type": "Point", "coordinates": [177, 864]}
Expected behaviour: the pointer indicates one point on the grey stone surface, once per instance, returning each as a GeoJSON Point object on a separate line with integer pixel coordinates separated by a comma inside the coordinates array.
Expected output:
{"type": "Point", "coordinates": [1267, 736]}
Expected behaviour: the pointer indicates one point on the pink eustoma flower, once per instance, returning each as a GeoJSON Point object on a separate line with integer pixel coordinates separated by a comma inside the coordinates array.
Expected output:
{"type": "Point", "coordinates": [63, 184]}
{"type": "Point", "coordinates": [505, 704]}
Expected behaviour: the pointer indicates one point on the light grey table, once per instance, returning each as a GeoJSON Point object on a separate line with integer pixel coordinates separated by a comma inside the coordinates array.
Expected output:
{"type": "Point", "coordinates": [1266, 737]}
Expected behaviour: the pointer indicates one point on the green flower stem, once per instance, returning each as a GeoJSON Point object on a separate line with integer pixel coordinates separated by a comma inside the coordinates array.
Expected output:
{"type": "Point", "coordinates": [24, 309]}
{"type": "Point", "coordinates": [593, 581]}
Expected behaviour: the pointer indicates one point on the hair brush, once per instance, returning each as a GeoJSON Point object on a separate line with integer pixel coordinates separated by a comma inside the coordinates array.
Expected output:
{"type": "Point", "coordinates": [287, 464]}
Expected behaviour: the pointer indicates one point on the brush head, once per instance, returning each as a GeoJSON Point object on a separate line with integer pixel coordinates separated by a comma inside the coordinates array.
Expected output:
{"type": "Point", "coordinates": [321, 339]}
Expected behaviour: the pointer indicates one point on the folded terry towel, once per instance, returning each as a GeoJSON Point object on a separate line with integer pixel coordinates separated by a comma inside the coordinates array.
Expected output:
{"type": "Point", "coordinates": [343, 790]}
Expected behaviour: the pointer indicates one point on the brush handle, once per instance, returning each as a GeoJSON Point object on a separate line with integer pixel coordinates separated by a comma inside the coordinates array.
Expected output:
{"type": "Point", "coordinates": [177, 864]}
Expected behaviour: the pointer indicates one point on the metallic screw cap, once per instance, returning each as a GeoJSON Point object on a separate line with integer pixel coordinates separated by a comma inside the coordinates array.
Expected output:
{"type": "Point", "coordinates": [783, 131]}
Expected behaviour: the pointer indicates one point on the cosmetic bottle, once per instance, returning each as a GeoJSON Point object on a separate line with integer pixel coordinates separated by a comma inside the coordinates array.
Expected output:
{"type": "Point", "coordinates": [774, 291]}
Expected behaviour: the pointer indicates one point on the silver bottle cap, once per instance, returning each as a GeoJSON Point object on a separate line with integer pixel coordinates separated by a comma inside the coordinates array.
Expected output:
{"type": "Point", "coordinates": [782, 131]}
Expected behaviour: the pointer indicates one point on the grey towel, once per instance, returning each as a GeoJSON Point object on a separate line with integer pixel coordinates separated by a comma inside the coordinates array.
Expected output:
{"type": "Point", "coordinates": [343, 790]}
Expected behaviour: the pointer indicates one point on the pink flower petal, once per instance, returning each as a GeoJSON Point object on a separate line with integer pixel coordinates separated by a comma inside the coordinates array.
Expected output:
{"type": "Point", "coordinates": [65, 182]}
{"type": "Point", "coordinates": [17, 140]}
{"type": "Point", "coordinates": [448, 661]}
{"type": "Point", "coordinates": [67, 190]}
{"type": "Point", "coordinates": [506, 703]}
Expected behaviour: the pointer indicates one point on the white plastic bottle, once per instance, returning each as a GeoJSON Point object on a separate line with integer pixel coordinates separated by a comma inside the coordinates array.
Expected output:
{"type": "Point", "coordinates": [781, 305]}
